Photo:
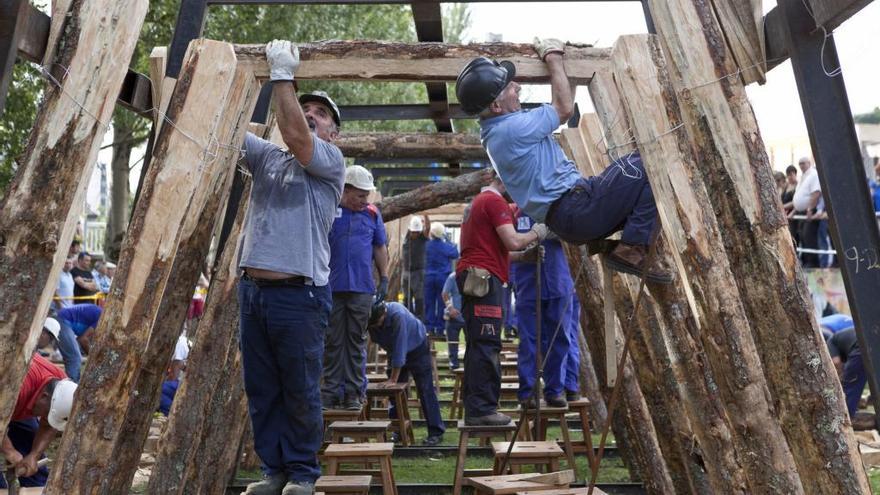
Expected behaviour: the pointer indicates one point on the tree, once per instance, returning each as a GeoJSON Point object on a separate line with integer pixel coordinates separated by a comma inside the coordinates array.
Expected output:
{"type": "Point", "coordinates": [25, 91]}
{"type": "Point", "coordinates": [868, 118]}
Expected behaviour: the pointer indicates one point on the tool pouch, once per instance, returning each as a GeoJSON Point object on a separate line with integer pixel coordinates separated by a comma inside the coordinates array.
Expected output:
{"type": "Point", "coordinates": [476, 282]}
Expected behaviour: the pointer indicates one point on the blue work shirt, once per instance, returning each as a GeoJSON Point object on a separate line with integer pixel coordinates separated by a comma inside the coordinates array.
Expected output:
{"type": "Point", "coordinates": [352, 238]}
{"type": "Point", "coordinates": [450, 287]}
{"type": "Point", "coordinates": [81, 317]}
{"type": "Point", "coordinates": [400, 333]}
{"type": "Point", "coordinates": [875, 194]}
{"type": "Point", "coordinates": [837, 322]}
{"type": "Point", "coordinates": [555, 274]}
{"type": "Point", "coordinates": [438, 257]}
{"type": "Point", "coordinates": [528, 159]}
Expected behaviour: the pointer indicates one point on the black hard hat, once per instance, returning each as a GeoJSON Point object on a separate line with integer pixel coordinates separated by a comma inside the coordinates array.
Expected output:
{"type": "Point", "coordinates": [324, 99]}
{"type": "Point", "coordinates": [481, 81]}
{"type": "Point", "coordinates": [376, 311]}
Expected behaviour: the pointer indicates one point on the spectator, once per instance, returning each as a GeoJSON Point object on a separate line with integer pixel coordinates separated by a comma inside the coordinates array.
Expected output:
{"type": "Point", "coordinates": [102, 276]}
{"type": "Point", "coordinates": [823, 241]}
{"type": "Point", "coordinates": [64, 291]}
{"type": "Point", "coordinates": [806, 197]}
{"type": "Point", "coordinates": [75, 246]}
{"type": "Point", "coordinates": [439, 254]}
{"type": "Point", "coordinates": [172, 377]}
{"type": "Point", "coordinates": [843, 347]}
{"type": "Point", "coordinates": [452, 314]}
{"type": "Point", "coordinates": [84, 282]}
{"type": "Point", "coordinates": [791, 176]}
{"type": "Point", "coordinates": [413, 259]}
{"type": "Point", "coordinates": [875, 185]}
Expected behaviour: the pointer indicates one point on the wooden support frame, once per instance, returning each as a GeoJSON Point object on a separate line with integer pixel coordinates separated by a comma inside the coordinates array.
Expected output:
{"type": "Point", "coordinates": [441, 146]}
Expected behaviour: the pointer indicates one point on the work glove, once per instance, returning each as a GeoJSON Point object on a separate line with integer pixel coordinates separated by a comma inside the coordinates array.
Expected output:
{"type": "Point", "coordinates": [548, 45]}
{"type": "Point", "coordinates": [532, 253]}
{"type": "Point", "coordinates": [542, 231]}
{"type": "Point", "coordinates": [382, 290]}
{"type": "Point", "coordinates": [283, 58]}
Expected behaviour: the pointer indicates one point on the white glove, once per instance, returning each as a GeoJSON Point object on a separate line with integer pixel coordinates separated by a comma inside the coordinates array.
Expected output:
{"type": "Point", "coordinates": [541, 230]}
{"type": "Point", "coordinates": [283, 58]}
{"type": "Point", "coordinates": [548, 45]}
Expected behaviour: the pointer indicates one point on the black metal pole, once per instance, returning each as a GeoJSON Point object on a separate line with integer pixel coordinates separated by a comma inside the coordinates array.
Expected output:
{"type": "Point", "coordinates": [190, 21]}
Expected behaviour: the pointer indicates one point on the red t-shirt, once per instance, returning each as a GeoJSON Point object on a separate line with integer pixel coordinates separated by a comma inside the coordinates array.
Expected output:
{"type": "Point", "coordinates": [40, 373]}
{"type": "Point", "coordinates": [480, 244]}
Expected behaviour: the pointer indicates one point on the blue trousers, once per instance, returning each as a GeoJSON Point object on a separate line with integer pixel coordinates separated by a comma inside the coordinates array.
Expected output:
{"type": "Point", "coordinates": [555, 313]}
{"type": "Point", "coordinates": [70, 351]}
{"type": "Point", "coordinates": [418, 364]}
{"type": "Point", "coordinates": [434, 302]}
{"type": "Point", "coordinates": [282, 347]}
{"type": "Point", "coordinates": [22, 434]}
{"type": "Point", "coordinates": [596, 207]}
{"type": "Point", "coordinates": [481, 386]}
{"type": "Point", "coordinates": [854, 379]}
{"type": "Point", "coordinates": [573, 360]}
{"type": "Point", "coordinates": [453, 330]}
{"type": "Point", "coordinates": [824, 243]}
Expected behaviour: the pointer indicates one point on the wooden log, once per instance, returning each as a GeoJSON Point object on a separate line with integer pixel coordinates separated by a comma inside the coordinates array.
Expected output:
{"type": "Point", "coordinates": [40, 208]}
{"type": "Point", "coordinates": [743, 24]}
{"type": "Point", "coordinates": [434, 195]}
{"type": "Point", "coordinates": [187, 169]}
{"type": "Point", "coordinates": [692, 233]}
{"type": "Point", "coordinates": [422, 62]}
{"type": "Point", "coordinates": [442, 146]}
{"type": "Point", "coordinates": [735, 167]}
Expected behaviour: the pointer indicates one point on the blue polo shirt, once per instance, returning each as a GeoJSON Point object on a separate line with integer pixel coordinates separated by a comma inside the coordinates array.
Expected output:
{"type": "Point", "coordinates": [555, 274]}
{"type": "Point", "coordinates": [80, 317]}
{"type": "Point", "coordinates": [438, 257]}
{"type": "Point", "coordinates": [400, 333]}
{"type": "Point", "coordinates": [352, 238]}
{"type": "Point", "coordinates": [528, 159]}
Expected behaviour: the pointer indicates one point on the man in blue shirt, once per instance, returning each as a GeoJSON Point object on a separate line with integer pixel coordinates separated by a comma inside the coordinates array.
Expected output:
{"type": "Point", "coordinates": [454, 319]}
{"type": "Point", "coordinates": [357, 239]}
{"type": "Point", "coordinates": [439, 254]}
{"type": "Point", "coordinates": [556, 290]}
{"type": "Point", "coordinates": [542, 180]}
{"type": "Point", "coordinates": [403, 337]}
{"type": "Point", "coordinates": [77, 324]}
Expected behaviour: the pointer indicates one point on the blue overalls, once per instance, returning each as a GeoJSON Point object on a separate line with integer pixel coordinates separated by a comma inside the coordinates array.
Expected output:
{"type": "Point", "coordinates": [438, 265]}
{"type": "Point", "coordinates": [573, 360]}
{"type": "Point", "coordinates": [556, 316]}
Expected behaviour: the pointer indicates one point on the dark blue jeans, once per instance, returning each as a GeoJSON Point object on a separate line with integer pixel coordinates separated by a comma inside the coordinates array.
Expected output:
{"type": "Point", "coordinates": [453, 330]}
{"type": "Point", "coordinates": [22, 434]}
{"type": "Point", "coordinates": [418, 364]}
{"type": "Point", "coordinates": [555, 313]}
{"type": "Point", "coordinates": [481, 387]}
{"type": "Point", "coordinates": [596, 207]}
{"type": "Point", "coordinates": [282, 346]}
{"type": "Point", "coordinates": [854, 379]}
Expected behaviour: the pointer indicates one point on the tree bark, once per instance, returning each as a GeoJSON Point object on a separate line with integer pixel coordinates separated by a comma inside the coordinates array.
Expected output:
{"type": "Point", "coordinates": [211, 103]}
{"type": "Point", "coordinates": [442, 146]}
{"type": "Point", "coordinates": [734, 166]}
{"type": "Point", "coordinates": [422, 62]}
{"type": "Point", "coordinates": [39, 212]}
{"type": "Point", "coordinates": [590, 382]}
{"type": "Point", "coordinates": [440, 193]}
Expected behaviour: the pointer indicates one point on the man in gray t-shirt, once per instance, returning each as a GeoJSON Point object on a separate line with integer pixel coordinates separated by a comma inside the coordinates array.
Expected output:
{"type": "Point", "coordinates": [283, 294]}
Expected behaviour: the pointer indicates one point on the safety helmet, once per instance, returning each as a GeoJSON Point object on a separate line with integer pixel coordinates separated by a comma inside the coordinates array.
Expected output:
{"type": "Point", "coordinates": [481, 81]}
{"type": "Point", "coordinates": [324, 99]}
{"type": "Point", "coordinates": [416, 224]}
{"type": "Point", "coordinates": [359, 177]}
{"type": "Point", "coordinates": [62, 403]}
{"type": "Point", "coordinates": [376, 311]}
{"type": "Point", "coordinates": [52, 326]}
{"type": "Point", "coordinates": [438, 230]}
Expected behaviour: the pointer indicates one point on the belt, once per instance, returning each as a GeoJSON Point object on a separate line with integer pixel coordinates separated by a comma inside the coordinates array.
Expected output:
{"type": "Point", "coordinates": [297, 281]}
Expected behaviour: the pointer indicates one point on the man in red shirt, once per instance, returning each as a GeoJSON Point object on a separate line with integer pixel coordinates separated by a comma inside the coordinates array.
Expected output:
{"type": "Point", "coordinates": [47, 394]}
{"type": "Point", "coordinates": [487, 238]}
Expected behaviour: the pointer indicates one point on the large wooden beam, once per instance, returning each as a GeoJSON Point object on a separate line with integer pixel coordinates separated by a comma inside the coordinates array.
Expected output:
{"type": "Point", "coordinates": [734, 165]}
{"type": "Point", "coordinates": [437, 194]}
{"type": "Point", "coordinates": [188, 169]}
{"type": "Point", "coordinates": [391, 61]}
{"type": "Point", "coordinates": [41, 207]}
{"type": "Point", "coordinates": [441, 146]}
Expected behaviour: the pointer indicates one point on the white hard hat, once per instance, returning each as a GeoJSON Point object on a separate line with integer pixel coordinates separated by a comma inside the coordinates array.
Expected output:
{"type": "Point", "coordinates": [109, 265]}
{"type": "Point", "coordinates": [438, 229]}
{"type": "Point", "coordinates": [359, 177]}
{"type": "Point", "coordinates": [415, 224]}
{"type": "Point", "coordinates": [62, 403]}
{"type": "Point", "coordinates": [52, 326]}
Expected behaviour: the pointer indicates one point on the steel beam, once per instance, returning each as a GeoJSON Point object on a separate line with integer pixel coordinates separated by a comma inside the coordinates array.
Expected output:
{"type": "Point", "coordinates": [190, 22]}
{"type": "Point", "coordinates": [841, 174]}
{"type": "Point", "coordinates": [394, 187]}
{"type": "Point", "coordinates": [406, 112]}
{"type": "Point", "coordinates": [380, 172]}
{"type": "Point", "coordinates": [13, 23]}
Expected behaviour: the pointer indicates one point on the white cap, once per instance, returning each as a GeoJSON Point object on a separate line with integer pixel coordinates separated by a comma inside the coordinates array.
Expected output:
{"type": "Point", "coordinates": [109, 265]}
{"type": "Point", "coordinates": [52, 326]}
{"type": "Point", "coordinates": [438, 230]}
{"type": "Point", "coordinates": [416, 224]}
{"type": "Point", "coordinates": [62, 403]}
{"type": "Point", "coordinates": [359, 177]}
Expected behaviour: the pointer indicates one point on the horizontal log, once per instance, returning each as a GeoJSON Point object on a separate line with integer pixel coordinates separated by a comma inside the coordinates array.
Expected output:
{"type": "Point", "coordinates": [393, 61]}
{"type": "Point", "coordinates": [440, 146]}
{"type": "Point", "coordinates": [434, 195]}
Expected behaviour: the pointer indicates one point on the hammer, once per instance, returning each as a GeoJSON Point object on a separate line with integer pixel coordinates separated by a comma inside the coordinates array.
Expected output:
{"type": "Point", "coordinates": [12, 478]}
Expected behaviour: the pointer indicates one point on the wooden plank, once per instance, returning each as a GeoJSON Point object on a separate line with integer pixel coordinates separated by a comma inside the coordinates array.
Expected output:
{"type": "Point", "coordinates": [612, 356]}
{"type": "Point", "coordinates": [743, 24]}
{"type": "Point", "coordinates": [442, 146]}
{"type": "Point", "coordinates": [32, 43]}
{"type": "Point", "coordinates": [434, 195]}
{"type": "Point", "coordinates": [13, 24]}
{"type": "Point", "coordinates": [428, 62]}
{"type": "Point", "coordinates": [833, 13]}
{"type": "Point", "coordinates": [186, 170]}
{"type": "Point", "coordinates": [161, 86]}
{"type": "Point", "coordinates": [39, 211]}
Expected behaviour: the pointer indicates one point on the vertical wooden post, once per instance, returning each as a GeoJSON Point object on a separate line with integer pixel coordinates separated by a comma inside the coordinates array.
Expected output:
{"type": "Point", "coordinates": [191, 164]}
{"type": "Point", "coordinates": [39, 212]}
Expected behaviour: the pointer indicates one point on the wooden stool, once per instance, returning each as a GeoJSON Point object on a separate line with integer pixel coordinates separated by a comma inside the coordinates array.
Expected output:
{"type": "Point", "coordinates": [333, 415]}
{"type": "Point", "coordinates": [396, 393]}
{"type": "Point", "coordinates": [563, 491]}
{"type": "Point", "coordinates": [380, 453]}
{"type": "Point", "coordinates": [582, 408]}
{"type": "Point", "coordinates": [515, 483]}
{"type": "Point", "coordinates": [508, 392]}
{"type": "Point", "coordinates": [480, 432]}
{"type": "Point", "coordinates": [548, 413]}
{"type": "Point", "coordinates": [509, 346]}
{"type": "Point", "coordinates": [456, 405]}
{"type": "Point", "coordinates": [359, 431]}
{"type": "Point", "coordinates": [376, 377]}
{"type": "Point", "coordinates": [538, 454]}
{"type": "Point", "coordinates": [509, 368]}
{"type": "Point", "coordinates": [344, 485]}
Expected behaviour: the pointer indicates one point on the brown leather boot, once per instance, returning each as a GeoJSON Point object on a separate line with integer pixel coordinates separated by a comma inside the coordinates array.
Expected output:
{"type": "Point", "coordinates": [631, 258]}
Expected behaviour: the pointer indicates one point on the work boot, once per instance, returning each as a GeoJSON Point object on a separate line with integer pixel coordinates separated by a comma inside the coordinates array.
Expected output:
{"type": "Point", "coordinates": [558, 401]}
{"type": "Point", "coordinates": [395, 437]}
{"type": "Point", "coordinates": [572, 396]}
{"type": "Point", "coordinates": [529, 403]}
{"type": "Point", "coordinates": [432, 441]}
{"type": "Point", "coordinates": [496, 419]}
{"type": "Point", "coordinates": [352, 404]}
{"type": "Point", "coordinates": [299, 488]}
{"type": "Point", "coordinates": [630, 258]}
{"type": "Point", "coordinates": [269, 485]}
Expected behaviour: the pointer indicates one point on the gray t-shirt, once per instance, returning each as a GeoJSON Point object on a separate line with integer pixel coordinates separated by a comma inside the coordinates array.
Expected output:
{"type": "Point", "coordinates": [291, 209]}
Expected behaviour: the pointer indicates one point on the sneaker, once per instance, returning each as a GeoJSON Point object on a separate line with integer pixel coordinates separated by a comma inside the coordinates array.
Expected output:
{"type": "Point", "coordinates": [572, 396]}
{"type": "Point", "coordinates": [329, 403]}
{"type": "Point", "coordinates": [299, 488]}
{"type": "Point", "coordinates": [432, 441]}
{"type": "Point", "coordinates": [496, 419]}
{"type": "Point", "coordinates": [558, 401]}
{"type": "Point", "coordinates": [352, 404]}
{"type": "Point", "coordinates": [630, 258]}
{"type": "Point", "coordinates": [269, 485]}
{"type": "Point", "coordinates": [395, 437]}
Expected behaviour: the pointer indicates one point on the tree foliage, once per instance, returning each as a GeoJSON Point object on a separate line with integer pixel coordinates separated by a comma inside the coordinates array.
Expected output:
{"type": "Point", "coordinates": [25, 91]}
{"type": "Point", "coordinates": [868, 118]}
